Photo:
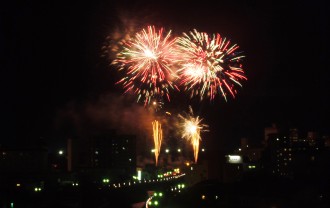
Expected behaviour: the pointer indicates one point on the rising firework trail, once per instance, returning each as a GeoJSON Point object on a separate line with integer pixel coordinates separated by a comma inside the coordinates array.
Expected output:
{"type": "Point", "coordinates": [158, 137]}
{"type": "Point", "coordinates": [148, 59]}
{"type": "Point", "coordinates": [210, 65]}
{"type": "Point", "coordinates": [191, 130]}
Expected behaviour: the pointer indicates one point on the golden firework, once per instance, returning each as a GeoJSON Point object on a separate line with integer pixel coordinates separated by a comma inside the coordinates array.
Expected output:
{"type": "Point", "coordinates": [158, 137]}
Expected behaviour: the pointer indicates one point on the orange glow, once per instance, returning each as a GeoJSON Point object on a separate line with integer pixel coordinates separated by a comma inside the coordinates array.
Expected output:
{"type": "Point", "coordinates": [158, 137]}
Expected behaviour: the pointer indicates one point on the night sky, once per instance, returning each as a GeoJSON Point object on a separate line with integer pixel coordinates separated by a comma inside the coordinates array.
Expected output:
{"type": "Point", "coordinates": [55, 82]}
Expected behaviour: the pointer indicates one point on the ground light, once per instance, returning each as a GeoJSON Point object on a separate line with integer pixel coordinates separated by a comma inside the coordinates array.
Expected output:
{"type": "Point", "coordinates": [106, 180]}
{"type": "Point", "coordinates": [37, 189]}
{"type": "Point", "coordinates": [155, 199]}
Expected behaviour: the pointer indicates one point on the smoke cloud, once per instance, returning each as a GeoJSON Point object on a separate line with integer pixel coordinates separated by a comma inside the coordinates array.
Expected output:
{"type": "Point", "coordinates": [109, 112]}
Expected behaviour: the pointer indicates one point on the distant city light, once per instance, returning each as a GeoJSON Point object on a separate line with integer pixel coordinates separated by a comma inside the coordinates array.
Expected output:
{"type": "Point", "coordinates": [234, 159]}
{"type": "Point", "coordinates": [139, 176]}
{"type": "Point", "coordinates": [37, 189]}
{"type": "Point", "coordinates": [106, 180]}
{"type": "Point", "coordinates": [179, 150]}
{"type": "Point", "coordinates": [60, 152]}
{"type": "Point", "coordinates": [167, 150]}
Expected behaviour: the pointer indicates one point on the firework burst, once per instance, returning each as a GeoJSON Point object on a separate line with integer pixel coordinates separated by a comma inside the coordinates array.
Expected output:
{"type": "Point", "coordinates": [191, 129]}
{"type": "Point", "coordinates": [148, 59]}
{"type": "Point", "coordinates": [210, 65]}
{"type": "Point", "coordinates": [156, 104]}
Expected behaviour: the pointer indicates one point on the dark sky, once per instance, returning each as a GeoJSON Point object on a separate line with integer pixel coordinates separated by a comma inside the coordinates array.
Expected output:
{"type": "Point", "coordinates": [54, 79]}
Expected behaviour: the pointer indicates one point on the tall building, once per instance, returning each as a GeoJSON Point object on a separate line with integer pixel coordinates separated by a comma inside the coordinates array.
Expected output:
{"type": "Point", "coordinates": [270, 131]}
{"type": "Point", "coordinates": [293, 135]}
{"type": "Point", "coordinates": [104, 152]}
{"type": "Point", "coordinates": [280, 155]}
{"type": "Point", "coordinates": [123, 153]}
{"type": "Point", "coordinates": [293, 155]}
{"type": "Point", "coordinates": [326, 141]}
{"type": "Point", "coordinates": [312, 138]}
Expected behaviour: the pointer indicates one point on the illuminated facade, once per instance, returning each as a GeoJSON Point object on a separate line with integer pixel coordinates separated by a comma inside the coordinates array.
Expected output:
{"type": "Point", "coordinates": [292, 155]}
{"type": "Point", "coordinates": [280, 155]}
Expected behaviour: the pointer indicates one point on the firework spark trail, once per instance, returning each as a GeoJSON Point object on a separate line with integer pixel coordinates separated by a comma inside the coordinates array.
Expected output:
{"type": "Point", "coordinates": [209, 65]}
{"type": "Point", "coordinates": [156, 104]}
{"type": "Point", "coordinates": [158, 137]}
{"type": "Point", "coordinates": [191, 129]}
{"type": "Point", "coordinates": [148, 59]}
